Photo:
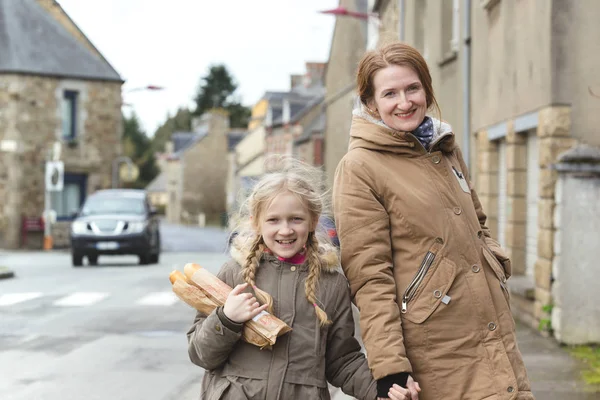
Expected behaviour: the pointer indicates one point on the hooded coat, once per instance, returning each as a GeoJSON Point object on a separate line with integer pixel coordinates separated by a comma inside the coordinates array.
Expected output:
{"type": "Point", "coordinates": [427, 277]}
{"type": "Point", "coordinates": [301, 362]}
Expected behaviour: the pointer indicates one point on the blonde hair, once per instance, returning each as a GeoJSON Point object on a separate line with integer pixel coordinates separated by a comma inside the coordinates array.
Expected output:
{"type": "Point", "coordinates": [394, 53]}
{"type": "Point", "coordinates": [285, 174]}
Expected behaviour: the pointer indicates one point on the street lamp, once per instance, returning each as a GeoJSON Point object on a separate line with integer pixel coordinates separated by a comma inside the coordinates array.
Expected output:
{"type": "Point", "coordinates": [147, 87]}
{"type": "Point", "coordinates": [343, 11]}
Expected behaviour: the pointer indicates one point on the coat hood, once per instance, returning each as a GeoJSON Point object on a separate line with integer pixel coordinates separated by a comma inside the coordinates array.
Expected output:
{"type": "Point", "coordinates": [370, 133]}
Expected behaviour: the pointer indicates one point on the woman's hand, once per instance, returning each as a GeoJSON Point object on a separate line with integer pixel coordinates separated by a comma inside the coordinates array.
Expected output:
{"type": "Point", "coordinates": [241, 307]}
{"type": "Point", "coordinates": [399, 393]}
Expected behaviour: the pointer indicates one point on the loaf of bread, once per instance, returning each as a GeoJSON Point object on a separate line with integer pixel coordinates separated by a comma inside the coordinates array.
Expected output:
{"type": "Point", "coordinates": [205, 292]}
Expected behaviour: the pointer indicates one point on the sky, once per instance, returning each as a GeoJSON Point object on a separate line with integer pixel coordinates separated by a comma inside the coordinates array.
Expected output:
{"type": "Point", "coordinates": [173, 43]}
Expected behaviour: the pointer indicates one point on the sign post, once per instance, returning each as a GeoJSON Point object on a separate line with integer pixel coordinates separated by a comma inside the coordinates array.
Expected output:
{"type": "Point", "coordinates": [53, 182]}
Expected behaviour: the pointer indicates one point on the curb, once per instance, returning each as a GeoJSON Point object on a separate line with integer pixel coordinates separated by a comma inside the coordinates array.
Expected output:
{"type": "Point", "coordinates": [6, 273]}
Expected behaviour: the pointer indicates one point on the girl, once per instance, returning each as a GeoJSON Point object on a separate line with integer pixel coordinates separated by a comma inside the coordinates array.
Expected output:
{"type": "Point", "coordinates": [277, 250]}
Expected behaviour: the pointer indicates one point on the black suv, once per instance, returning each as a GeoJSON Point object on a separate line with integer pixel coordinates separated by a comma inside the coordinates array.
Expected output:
{"type": "Point", "coordinates": [115, 221]}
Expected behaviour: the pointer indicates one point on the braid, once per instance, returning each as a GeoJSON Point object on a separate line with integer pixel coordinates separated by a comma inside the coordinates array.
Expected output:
{"type": "Point", "coordinates": [314, 272]}
{"type": "Point", "coordinates": [249, 272]}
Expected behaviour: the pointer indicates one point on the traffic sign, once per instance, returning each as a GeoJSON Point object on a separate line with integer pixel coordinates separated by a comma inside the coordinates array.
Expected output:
{"type": "Point", "coordinates": [55, 171]}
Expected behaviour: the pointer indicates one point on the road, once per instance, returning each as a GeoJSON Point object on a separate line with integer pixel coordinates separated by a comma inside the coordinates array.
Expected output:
{"type": "Point", "coordinates": [113, 331]}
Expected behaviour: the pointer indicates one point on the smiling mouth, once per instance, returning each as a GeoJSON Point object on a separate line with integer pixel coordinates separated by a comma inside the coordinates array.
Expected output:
{"type": "Point", "coordinates": [405, 115]}
{"type": "Point", "coordinates": [286, 242]}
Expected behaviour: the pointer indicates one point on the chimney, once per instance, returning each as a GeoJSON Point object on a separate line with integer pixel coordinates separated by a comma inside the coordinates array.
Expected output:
{"type": "Point", "coordinates": [315, 72]}
{"type": "Point", "coordinates": [295, 81]}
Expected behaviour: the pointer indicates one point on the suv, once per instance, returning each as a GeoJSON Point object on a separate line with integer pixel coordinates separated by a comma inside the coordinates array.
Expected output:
{"type": "Point", "coordinates": [115, 221]}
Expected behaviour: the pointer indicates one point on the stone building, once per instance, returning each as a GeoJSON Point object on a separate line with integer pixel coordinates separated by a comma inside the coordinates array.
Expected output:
{"type": "Point", "coordinates": [55, 87]}
{"type": "Point", "coordinates": [348, 44]}
{"type": "Point", "coordinates": [197, 171]}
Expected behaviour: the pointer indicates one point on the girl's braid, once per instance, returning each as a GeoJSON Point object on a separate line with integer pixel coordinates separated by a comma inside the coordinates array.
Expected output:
{"type": "Point", "coordinates": [249, 272]}
{"type": "Point", "coordinates": [314, 272]}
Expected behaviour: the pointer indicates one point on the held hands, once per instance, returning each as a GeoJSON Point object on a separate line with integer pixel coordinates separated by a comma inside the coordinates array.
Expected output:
{"type": "Point", "coordinates": [399, 393]}
{"type": "Point", "coordinates": [241, 307]}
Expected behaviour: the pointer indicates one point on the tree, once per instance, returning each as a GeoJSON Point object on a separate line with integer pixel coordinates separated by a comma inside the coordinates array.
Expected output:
{"type": "Point", "coordinates": [217, 90]}
{"type": "Point", "coordinates": [137, 146]}
{"type": "Point", "coordinates": [181, 121]}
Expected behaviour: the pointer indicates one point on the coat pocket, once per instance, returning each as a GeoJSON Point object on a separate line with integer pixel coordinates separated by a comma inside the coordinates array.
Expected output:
{"type": "Point", "coordinates": [430, 289]}
{"type": "Point", "coordinates": [498, 269]}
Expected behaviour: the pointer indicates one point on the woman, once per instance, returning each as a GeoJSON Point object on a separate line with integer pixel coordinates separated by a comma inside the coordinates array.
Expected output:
{"type": "Point", "coordinates": [428, 279]}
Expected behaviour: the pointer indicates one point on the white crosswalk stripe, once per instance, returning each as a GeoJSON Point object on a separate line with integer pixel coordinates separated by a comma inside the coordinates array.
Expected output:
{"type": "Point", "coordinates": [158, 299]}
{"type": "Point", "coordinates": [81, 299]}
{"type": "Point", "coordinates": [15, 298]}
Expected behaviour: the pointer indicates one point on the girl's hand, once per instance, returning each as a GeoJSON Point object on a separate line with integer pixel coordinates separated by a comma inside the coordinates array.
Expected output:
{"type": "Point", "coordinates": [241, 307]}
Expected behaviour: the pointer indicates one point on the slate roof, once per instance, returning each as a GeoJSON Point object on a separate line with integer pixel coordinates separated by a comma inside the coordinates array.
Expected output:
{"type": "Point", "coordinates": [234, 137]}
{"type": "Point", "coordinates": [33, 42]}
{"type": "Point", "coordinates": [182, 141]}
{"type": "Point", "coordinates": [158, 184]}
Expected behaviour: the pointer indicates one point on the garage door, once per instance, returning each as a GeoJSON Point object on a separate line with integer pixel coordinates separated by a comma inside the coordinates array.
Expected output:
{"type": "Point", "coordinates": [533, 176]}
{"type": "Point", "coordinates": [502, 193]}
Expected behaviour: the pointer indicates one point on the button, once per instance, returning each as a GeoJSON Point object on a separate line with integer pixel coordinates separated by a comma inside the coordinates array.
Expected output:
{"type": "Point", "coordinates": [457, 210]}
{"type": "Point", "coordinates": [510, 389]}
{"type": "Point", "coordinates": [293, 269]}
{"type": "Point", "coordinates": [475, 268]}
{"type": "Point", "coordinates": [437, 294]}
{"type": "Point", "coordinates": [479, 234]}
{"type": "Point", "coordinates": [218, 328]}
{"type": "Point", "coordinates": [436, 159]}
{"type": "Point", "coordinates": [492, 326]}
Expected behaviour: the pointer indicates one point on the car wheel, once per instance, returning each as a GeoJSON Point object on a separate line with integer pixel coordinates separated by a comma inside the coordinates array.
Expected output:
{"type": "Point", "coordinates": [144, 259]}
{"type": "Point", "coordinates": [77, 259]}
{"type": "Point", "coordinates": [154, 258]}
{"type": "Point", "coordinates": [93, 260]}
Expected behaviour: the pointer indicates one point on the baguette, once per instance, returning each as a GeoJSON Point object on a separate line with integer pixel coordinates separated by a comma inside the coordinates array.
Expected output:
{"type": "Point", "coordinates": [204, 291]}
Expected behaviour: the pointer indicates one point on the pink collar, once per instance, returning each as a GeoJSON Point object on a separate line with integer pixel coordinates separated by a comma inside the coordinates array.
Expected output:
{"type": "Point", "coordinates": [297, 259]}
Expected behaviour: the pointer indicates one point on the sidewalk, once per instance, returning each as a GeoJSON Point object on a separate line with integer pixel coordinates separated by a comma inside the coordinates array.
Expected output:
{"type": "Point", "coordinates": [553, 373]}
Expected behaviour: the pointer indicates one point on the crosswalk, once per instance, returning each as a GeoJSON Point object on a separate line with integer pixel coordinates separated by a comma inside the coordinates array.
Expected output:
{"type": "Point", "coordinates": [85, 299]}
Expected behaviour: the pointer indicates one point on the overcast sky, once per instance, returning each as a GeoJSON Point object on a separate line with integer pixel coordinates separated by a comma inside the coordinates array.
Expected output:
{"type": "Point", "coordinates": [172, 43]}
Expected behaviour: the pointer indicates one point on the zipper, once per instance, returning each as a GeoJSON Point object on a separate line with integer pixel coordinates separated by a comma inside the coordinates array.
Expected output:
{"type": "Point", "coordinates": [414, 285]}
{"type": "Point", "coordinates": [458, 173]}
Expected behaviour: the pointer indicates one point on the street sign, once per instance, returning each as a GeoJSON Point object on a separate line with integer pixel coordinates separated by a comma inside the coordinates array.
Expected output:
{"type": "Point", "coordinates": [128, 172]}
{"type": "Point", "coordinates": [55, 171]}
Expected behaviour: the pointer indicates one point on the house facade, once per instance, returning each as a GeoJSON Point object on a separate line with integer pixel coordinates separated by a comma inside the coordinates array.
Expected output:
{"type": "Point", "coordinates": [197, 171]}
{"type": "Point", "coordinates": [517, 80]}
{"type": "Point", "coordinates": [57, 92]}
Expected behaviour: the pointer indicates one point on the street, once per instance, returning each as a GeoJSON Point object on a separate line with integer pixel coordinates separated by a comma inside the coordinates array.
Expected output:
{"type": "Point", "coordinates": [114, 331]}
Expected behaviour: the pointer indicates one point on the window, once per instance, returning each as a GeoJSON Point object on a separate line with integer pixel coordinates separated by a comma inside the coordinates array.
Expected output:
{"type": "Point", "coordinates": [450, 28]}
{"type": "Point", "coordinates": [69, 115]}
{"type": "Point", "coordinates": [71, 198]}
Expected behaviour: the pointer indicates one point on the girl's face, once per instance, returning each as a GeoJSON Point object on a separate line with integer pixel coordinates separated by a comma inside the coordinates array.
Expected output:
{"type": "Point", "coordinates": [285, 225]}
{"type": "Point", "coordinates": [399, 98]}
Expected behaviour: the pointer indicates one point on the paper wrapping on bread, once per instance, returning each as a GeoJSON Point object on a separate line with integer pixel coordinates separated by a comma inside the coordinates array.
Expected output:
{"type": "Point", "coordinates": [205, 292]}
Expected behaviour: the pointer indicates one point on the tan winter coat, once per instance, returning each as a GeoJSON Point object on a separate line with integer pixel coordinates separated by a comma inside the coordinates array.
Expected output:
{"type": "Point", "coordinates": [428, 279]}
{"type": "Point", "coordinates": [301, 361]}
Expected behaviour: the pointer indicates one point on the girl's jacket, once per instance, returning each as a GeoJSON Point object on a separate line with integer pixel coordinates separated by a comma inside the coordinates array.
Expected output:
{"type": "Point", "coordinates": [301, 362]}
{"type": "Point", "coordinates": [428, 279]}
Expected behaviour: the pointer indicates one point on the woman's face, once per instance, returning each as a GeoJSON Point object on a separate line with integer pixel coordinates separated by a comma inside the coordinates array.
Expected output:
{"type": "Point", "coordinates": [399, 98]}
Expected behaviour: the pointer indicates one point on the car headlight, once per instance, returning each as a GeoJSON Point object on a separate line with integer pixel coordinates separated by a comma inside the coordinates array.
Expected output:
{"type": "Point", "coordinates": [136, 227]}
{"type": "Point", "coordinates": [79, 227]}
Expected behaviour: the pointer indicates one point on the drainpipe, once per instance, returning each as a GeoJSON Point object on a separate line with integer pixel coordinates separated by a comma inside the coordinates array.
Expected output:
{"type": "Point", "coordinates": [466, 82]}
{"type": "Point", "coordinates": [402, 8]}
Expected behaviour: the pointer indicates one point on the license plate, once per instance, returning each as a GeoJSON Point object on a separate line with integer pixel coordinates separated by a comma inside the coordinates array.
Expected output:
{"type": "Point", "coordinates": [107, 245]}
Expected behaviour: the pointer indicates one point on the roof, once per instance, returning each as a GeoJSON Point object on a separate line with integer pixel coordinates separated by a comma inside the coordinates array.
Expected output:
{"type": "Point", "coordinates": [234, 137]}
{"type": "Point", "coordinates": [158, 184]}
{"type": "Point", "coordinates": [317, 125]}
{"type": "Point", "coordinates": [33, 42]}
{"type": "Point", "coordinates": [182, 141]}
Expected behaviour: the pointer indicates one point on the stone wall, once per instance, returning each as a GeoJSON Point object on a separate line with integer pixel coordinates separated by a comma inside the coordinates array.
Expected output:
{"type": "Point", "coordinates": [205, 167]}
{"type": "Point", "coordinates": [575, 313]}
{"type": "Point", "coordinates": [33, 118]}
